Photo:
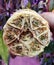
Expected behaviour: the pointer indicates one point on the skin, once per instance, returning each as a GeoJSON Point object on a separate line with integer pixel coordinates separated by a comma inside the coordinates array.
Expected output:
{"type": "Point", "coordinates": [49, 16]}
{"type": "Point", "coordinates": [34, 60]}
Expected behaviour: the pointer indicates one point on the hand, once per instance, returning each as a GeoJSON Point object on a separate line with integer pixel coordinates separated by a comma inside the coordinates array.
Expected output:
{"type": "Point", "coordinates": [49, 16]}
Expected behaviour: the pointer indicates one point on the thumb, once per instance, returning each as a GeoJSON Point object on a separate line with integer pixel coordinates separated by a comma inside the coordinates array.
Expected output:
{"type": "Point", "coordinates": [49, 16]}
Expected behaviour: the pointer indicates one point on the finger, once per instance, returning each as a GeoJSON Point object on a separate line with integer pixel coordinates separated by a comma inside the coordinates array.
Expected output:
{"type": "Point", "coordinates": [50, 18]}
{"type": "Point", "coordinates": [51, 36]}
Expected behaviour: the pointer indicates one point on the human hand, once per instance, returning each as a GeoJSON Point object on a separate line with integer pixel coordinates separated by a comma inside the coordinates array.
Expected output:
{"type": "Point", "coordinates": [49, 16]}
